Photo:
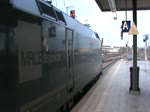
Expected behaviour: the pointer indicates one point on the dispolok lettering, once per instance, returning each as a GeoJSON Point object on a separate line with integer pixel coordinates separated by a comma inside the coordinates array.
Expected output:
{"type": "Point", "coordinates": [33, 58]}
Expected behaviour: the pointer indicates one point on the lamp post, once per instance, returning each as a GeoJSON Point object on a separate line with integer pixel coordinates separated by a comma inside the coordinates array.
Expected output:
{"type": "Point", "coordinates": [115, 15]}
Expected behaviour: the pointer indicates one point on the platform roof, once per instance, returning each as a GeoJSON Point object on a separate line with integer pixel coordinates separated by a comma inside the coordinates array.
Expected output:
{"type": "Point", "coordinates": [120, 5]}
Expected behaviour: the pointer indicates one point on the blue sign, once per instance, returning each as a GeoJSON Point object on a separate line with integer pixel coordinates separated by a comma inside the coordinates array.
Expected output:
{"type": "Point", "coordinates": [126, 26]}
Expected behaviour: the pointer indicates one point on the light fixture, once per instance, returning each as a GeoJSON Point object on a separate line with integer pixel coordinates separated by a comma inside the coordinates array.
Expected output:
{"type": "Point", "coordinates": [115, 15]}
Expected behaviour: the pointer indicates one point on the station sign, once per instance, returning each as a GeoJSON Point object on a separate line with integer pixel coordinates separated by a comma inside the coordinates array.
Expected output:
{"type": "Point", "coordinates": [126, 26]}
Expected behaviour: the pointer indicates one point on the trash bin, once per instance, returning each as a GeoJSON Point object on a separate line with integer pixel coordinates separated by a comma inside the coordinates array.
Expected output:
{"type": "Point", "coordinates": [131, 79]}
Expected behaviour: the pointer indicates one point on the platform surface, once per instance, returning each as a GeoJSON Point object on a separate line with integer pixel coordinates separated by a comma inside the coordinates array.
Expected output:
{"type": "Point", "coordinates": [111, 92]}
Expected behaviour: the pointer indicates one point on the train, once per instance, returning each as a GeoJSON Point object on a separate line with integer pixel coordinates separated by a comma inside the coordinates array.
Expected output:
{"type": "Point", "coordinates": [48, 60]}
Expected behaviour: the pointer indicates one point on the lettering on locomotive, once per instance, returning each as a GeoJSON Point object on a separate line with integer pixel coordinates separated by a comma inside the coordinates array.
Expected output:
{"type": "Point", "coordinates": [34, 58]}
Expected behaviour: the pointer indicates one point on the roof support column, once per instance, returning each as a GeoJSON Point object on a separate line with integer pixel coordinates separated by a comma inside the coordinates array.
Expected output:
{"type": "Point", "coordinates": [135, 72]}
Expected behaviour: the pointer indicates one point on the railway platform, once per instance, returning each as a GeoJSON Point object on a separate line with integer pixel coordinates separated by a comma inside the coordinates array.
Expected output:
{"type": "Point", "coordinates": [111, 91]}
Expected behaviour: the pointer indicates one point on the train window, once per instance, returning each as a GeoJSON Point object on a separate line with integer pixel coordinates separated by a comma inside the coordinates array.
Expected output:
{"type": "Point", "coordinates": [60, 16]}
{"type": "Point", "coordinates": [96, 35]}
{"type": "Point", "coordinates": [52, 32]}
{"type": "Point", "coordinates": [46, 9]}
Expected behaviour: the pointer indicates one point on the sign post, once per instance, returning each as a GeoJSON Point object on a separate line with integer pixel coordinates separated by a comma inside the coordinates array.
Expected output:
{"type": "Point", "coordinates": [135, 71]}
{"type": "Point", "coordinates": [133, 31]}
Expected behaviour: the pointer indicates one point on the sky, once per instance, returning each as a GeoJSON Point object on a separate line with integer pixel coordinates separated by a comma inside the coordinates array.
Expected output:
{"type": "Point", "coordinates": [87, 11]}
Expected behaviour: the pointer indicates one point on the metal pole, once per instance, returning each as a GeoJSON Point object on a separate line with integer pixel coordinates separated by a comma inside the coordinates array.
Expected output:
{"type": "Point", "coordinates": [127, 51]}
{"type": "Point", "coordinates": [145, 50]}
{"type": "Point", "coordinates": [126, 20]}
{"type": "Point", "coordinates": [145, 54]}
{"type": "Point", "coordinates": [66, 10]}
{"type": "Point", "coordinates": [126, 9]}
{"type": "Point", "coordinates": [135, 88]}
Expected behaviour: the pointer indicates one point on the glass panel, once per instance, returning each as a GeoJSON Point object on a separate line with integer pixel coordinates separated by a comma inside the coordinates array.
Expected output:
{"type": "Point", "coordinates": [47, 10]}
{"type": "Point", "coordinates": [60, 16]}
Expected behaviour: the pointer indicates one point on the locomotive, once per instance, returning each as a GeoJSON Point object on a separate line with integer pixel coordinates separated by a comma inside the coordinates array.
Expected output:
{"type": "Point", "coordinates": [47, 58]}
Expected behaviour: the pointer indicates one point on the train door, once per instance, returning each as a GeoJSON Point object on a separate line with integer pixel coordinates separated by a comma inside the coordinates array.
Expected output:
{"type": "Point", "coordinates": [6, 74]}
{"type": "Point", "coordinates": [3, 58]}
{"type": "Point", "coordinates": [70, 60]}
